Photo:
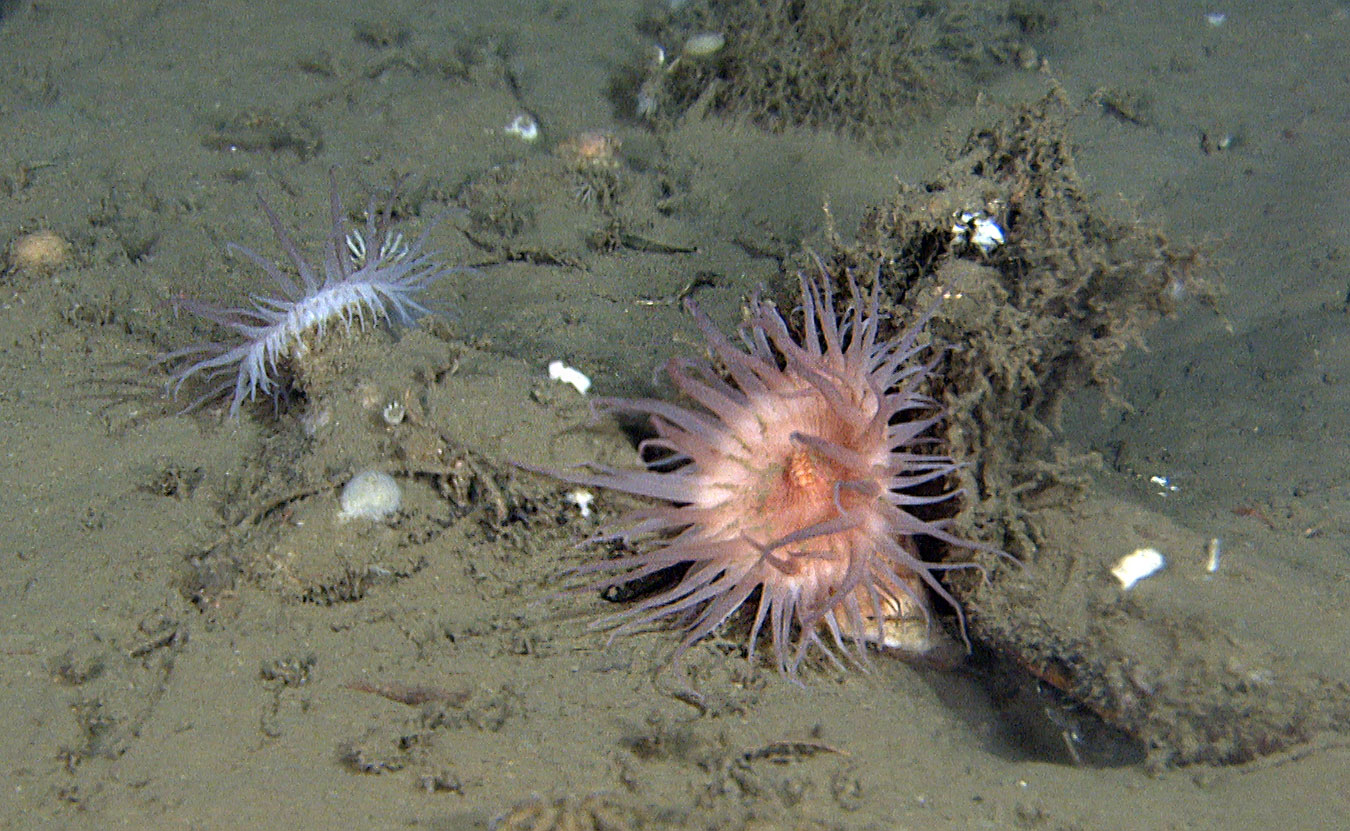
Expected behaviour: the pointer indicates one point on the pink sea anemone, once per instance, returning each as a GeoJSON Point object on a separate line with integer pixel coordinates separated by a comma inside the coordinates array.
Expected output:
{"type": "Point", "coordinates": [806, 476]}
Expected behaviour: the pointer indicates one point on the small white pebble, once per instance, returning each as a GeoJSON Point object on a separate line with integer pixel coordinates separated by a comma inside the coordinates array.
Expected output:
{"type": "Point", "coordinates": [371, 494]}
{"type": "Point", "coordinates": [1216, 18]}
{"type": "Point", "coordinates": [1138, 564]}
{"type": "Point", "coordinates": [559, 371]}
{"type": "Point", "coordinates": [582, 499]}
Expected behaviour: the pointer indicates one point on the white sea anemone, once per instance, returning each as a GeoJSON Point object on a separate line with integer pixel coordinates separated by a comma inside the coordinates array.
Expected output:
{"type": "Point", "coordinates": [351, 286]}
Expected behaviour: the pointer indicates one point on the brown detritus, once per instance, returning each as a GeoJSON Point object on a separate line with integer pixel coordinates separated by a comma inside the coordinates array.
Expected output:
{"type": "Point", "coordinates": [787, 751]}
{"type": "Point", "coordinates": [1047, 312]}
{"type": "Point", "coordinates": [1030, 318]}
{"type": "Point", "coordinates": [359, 758]}
{"type": "Point", "coordinates": [555, 208]}
{"type": "Point", "coordinates": [261, 131]}
{"type": "Point", "coordinates": [1161, 672]}
{"type": "Point", "coordinates": [595, 812]}
{"type": "Point", "coordinates": [289, 670]}
{"type": "Point", "coordinates": [414, 695]}
{"type": "Point", "coordinates": [1127, 105]}
{"type": "Point", "coordinates": [278, 523]}
{"type": "Point", "coordinates": [1256, 514]}
{"type": "Point", "coordinates": [863, 67]}
{"type": "Point", "coordinates": [441, 781]}
{"type": "Point", "coordinates": [72, 669]}
{"type": "Point", "coordinates": [590, 149]}
{"type": "Point", "coordinates": [662, 739]}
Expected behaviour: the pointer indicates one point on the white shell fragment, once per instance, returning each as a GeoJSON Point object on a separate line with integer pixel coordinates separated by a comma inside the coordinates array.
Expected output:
{"type": "Point", "coordinates": [986, 235]}
{"type": "Point", "coordinates": [1138, 564]}
{"type": "Point", "coordinates": [1214, 549]}
{"type": "Point", "coordinates": [523, 127]}
{"type": "Point", "coordinates": [582, 498]}
{"type": "Point", "coordinates": [977, 228]}
{"type": "Point", "coordinates": [1164, 484]}
{"type": "Point", "coordinates": [372, 495]}
{"type": "Point", "coordinates": [559, 371]}
{"type": "Point", "coordinates": [393, 413]}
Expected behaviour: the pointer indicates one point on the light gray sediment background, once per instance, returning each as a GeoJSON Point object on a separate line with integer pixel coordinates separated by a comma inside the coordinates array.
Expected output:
{"type": "Point", "coordinates": [191, 640]}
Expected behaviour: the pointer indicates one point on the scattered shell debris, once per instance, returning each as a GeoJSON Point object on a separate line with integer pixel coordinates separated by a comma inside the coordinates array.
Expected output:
{"type": "Point", "coordinates": [1137, 565]}
{"type": "Point", "coordinates": [559, 371]}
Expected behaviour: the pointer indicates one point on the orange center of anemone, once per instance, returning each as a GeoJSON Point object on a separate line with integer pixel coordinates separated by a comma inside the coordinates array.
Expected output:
{"type": "Point", "coordinates": [803, 494]}
{"type": "Point", "coordinates": [802, 478]}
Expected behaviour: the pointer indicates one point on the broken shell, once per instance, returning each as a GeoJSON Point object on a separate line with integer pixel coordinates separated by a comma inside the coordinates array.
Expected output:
{"type": "Point", "coordinates": [704, 44]}
{"type": "Point", "coordinates": [559, 371]}
{"type": "Point", "coordinates": [1138, 564]}
{"type": "Point", "coordinates": [393, 413]}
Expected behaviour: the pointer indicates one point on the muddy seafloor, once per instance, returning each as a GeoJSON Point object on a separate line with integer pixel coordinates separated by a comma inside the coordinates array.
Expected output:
{"type": "Point", "coordinates": [192, 638]}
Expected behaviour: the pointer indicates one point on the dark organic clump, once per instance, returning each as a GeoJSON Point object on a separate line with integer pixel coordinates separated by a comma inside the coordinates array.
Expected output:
{"type": "Point", "coordinates": [1050, 310]}
{"type": "Point", "coordinates": [863, 67]}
